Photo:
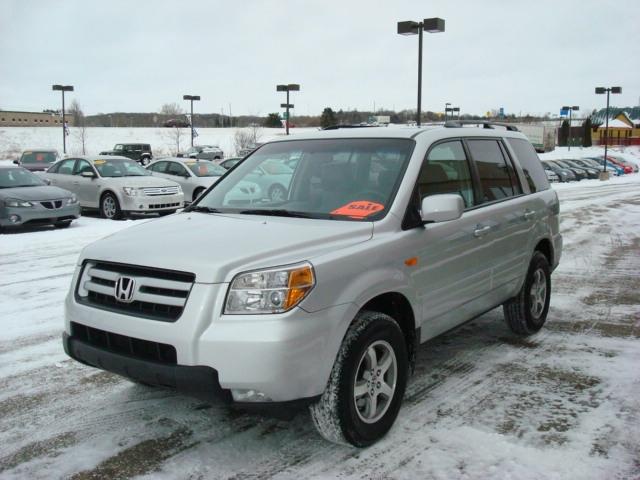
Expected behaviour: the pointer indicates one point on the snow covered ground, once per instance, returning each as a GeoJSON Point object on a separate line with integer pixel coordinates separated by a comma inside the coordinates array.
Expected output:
{"type": "Point", "coordinates": [563, 404]}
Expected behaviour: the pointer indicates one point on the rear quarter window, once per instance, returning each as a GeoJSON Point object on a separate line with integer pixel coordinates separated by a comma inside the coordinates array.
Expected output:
{"type": "Point", "coordinates": [530, 163]}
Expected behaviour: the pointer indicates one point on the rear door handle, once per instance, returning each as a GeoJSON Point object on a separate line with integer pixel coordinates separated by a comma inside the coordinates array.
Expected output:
{"type": "Point", "coordinates": [76, 183]}
{"type": "Point", "coordinates": [479, 232]}
{"type": "Point", "coordinates": [529, 215]}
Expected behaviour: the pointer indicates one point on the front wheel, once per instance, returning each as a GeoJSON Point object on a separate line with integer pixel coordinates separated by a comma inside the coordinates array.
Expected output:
{"type": "Point", "coordinates": [110, 207]}
{"type": "Point", "coordinates": [366, 386]}
{"type": "Point", "coordinates": [145, 161]}
{"type": "Point", "coordinates": [277, 193]}
{"type": "Point", "coordinates": [527, 311]}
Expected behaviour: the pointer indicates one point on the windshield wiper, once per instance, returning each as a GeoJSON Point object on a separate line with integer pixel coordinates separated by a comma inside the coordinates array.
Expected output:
{"type": "Point", "coordinates": [276, 213]}
{"type": "Point", "coordinates": [198, 208]}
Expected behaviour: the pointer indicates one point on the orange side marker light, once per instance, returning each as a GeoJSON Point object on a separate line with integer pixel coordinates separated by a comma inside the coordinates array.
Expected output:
{"type": "Point", "coordinates": [411, 262]}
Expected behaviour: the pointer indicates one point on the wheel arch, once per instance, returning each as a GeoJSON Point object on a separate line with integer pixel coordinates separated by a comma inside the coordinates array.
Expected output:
{"type": "Point", "coordinates": [545, 247]}
{"type": "Point", "coordinates": [398, 307]}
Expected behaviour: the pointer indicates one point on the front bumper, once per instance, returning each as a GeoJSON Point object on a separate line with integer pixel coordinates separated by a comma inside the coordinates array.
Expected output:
{"type": "Point", "coordinates": [281, 358]}
{"type": "Point", "coordinates": [18, 216]}
{"type": "Point", "coordinates": [144, 204]}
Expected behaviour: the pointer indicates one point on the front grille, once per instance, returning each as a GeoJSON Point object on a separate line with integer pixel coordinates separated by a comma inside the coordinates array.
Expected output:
{"type": "Point", "coordinates": [157, 294]}
{"type": "Point", "coordinates": [53, 204]}
{"type": "Point", "coordinates": [133, 347]}
{"type": "Point", "coordinates": [164, 205]}
{"type": "Point", "coordinates": [156, 191]}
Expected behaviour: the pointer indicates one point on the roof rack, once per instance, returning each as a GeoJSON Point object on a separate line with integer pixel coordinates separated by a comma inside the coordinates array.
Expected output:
{"type": "Point", "coordinates": [485, 124]}
{"type": "Point", "coordinates": [337, 127]}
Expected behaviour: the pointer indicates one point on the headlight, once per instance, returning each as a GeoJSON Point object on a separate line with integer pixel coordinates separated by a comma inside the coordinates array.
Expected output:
{"type": "Point", "coordinates": [179, 189]}
{"type": "Point", "coordinates": [72, 200]}
{"type": "Point", "coordinates": [130, 191]}
{"type": "Point", "coordinates": [274, 290]}
{"type": "Point", "coordinates": [15, 202]}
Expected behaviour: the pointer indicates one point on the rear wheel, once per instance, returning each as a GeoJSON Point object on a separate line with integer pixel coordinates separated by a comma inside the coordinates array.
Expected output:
{"type": "Point", "coordinates": [145, 161]}
{"type": "Point", "coordinates": [277, 193]}
{"type": "Point", "coordinates": [363, 396]}
{"type": "Point", "coordinates": [527, 311]}
{"type": "Point", "coordinates": [110, 207]}
{"type": "Point", "coordinates": [197, 192]}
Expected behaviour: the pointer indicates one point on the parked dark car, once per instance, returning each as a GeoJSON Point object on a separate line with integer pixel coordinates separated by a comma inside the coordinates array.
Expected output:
{"type": "Point", "coordinates": [578, 172]}
{"type": "Point", "coordinates": [177, 123]}
{"type": "Point", "coordinates": [140, 152]}
{"type": "Point", "coordinates": [564, 174]}
{"type": "Point", "coordinates": [37, 160]}
{"type": "Point", "coordinates": [591, 172]}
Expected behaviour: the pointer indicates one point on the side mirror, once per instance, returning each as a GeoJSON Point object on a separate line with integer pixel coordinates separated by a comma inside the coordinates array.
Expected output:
{"type": "Point", "coordinates": [47, 181]}
{"type": "Point", "coordinates": [16, 161]}
{"type": "Point", "coordinates": [88, 174]}
{"type": "Point", "coordinates": [441, 208]}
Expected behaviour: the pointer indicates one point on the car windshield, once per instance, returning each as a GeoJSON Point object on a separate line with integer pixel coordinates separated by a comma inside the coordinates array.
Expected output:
{"type": "Point", "coordinates": [205, 169]}
{"type": "Point", "coordinates": [18, 177]}
{"type": "Point", "coordinates": [38, 157]}
{"type": "Point", "coordinates": [119, 168]}
{"type": "Point", "coordinates": [337, 179]}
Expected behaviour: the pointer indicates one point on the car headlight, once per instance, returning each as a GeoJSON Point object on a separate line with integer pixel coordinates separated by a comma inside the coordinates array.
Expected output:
{"type": "Point", "coordinates": [72, 200]}
{"type": "Point", "coordinates": [15, 202]}
{"type": "Point", "coordinates": [274, 290]}
{"type": "Point", "coordinates": [131, 191]}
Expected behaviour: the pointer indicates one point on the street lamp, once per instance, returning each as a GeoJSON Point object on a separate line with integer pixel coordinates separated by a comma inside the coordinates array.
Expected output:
{"type": "Point", "coordinates": [570, 109]}
{"type": "Point", "coordinates": [431, 25]}
{"type": "Point", "coordinates": [291, 87]}
{"type": "Point", "coordinates": [446, 109]}
{"type": "Point", "coordinates": [63, 88]}
{"type": "Point", "coordinates": [191, 98]}
{"type": "Point", "coordinates": [600, 91]}
{"type": "Point", "coordinates": [455, 109]}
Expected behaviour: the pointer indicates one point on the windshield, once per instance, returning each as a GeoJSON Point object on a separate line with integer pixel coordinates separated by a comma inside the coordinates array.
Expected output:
{"type": "Point", "coordinates": [337, 179]}
{"type": "Point", "coordinates": [18, 177]}
{"type": "Point", "coordinates": [119, 168]}
{"type": "Point", "coordinates": [205, 169]}
{"type": "Point", "coordinates": [38, 157]}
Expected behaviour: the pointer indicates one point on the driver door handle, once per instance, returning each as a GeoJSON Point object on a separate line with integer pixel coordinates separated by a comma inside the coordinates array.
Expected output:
{"type": "Point", "coordinates": [481, 231]}
{"type": "Point", "coordinates": [529, 214]}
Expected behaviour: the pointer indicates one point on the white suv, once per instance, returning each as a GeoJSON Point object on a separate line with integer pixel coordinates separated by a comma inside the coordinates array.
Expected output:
{"type": "Point", "coordinates": [384, 239]}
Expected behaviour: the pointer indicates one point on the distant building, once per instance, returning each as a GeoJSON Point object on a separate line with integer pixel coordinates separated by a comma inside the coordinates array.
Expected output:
{"type": "Point", "coordinates": [32, 119]}
{"type": "Point", "coordinates": [624, 126]}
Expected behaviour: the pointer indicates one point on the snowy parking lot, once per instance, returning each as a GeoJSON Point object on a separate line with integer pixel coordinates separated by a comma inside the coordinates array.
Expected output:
{"type": "Point", "coordinates": [483, 403]}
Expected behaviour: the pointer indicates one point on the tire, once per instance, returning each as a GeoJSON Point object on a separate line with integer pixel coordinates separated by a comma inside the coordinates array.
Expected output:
{"type": "Point", "coordinates": [196, 193]}
{"type": "Point", "coordinates": [277, 193]}
{"type": "Point", "coordinates": [145, 161]}
{"type": "Point", "coordinates": [340, 415]}
{"type": "Point", "coordinates": [527, 311]}
{"type": "Point", "coordinates": [62, 224]}
{"type": "Point", "coordinates": [109, 207]}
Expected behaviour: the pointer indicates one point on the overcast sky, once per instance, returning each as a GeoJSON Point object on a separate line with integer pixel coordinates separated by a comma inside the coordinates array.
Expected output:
{"type": "Point", "coordinates": [528, 56]}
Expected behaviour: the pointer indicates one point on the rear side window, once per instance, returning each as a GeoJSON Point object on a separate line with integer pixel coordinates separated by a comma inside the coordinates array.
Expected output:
{"type": "Point", "coordinates": [531, 165]}
{"type": "Point", "coordinates": [497, 175]}
{"type": "Point", "coordinates": [446, 171]}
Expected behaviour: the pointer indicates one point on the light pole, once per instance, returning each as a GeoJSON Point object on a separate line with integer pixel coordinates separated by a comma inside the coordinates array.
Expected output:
{"type": "Point", "coordinates": [431, 25]}
{"type": "Point", "coordinates": [291, 87]}
{"type": "Point", "coordinates": [446, 109]}
{"type": "Point", "coordinates": [600, 91]}
{"type": "Point", "coordinates": [191, 98]}
{"type": "Point", "coordinates": [455, 109]}
{"type": "Point", "coordinates": [570, 109]}
{"type": "Point", "coordinates": [63, 88]}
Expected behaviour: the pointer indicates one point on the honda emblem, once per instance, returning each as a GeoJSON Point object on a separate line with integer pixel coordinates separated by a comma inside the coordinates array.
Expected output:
{"type": "Point", "coordinates": [124, 289]}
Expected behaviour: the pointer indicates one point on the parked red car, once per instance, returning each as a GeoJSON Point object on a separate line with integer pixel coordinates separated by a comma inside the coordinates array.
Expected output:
{"type": "Point", "coordinates": [616, 161]}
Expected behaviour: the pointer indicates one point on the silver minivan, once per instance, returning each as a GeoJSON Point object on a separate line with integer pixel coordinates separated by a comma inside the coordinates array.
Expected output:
{"type": "Point", "coordinates": [383, 239]}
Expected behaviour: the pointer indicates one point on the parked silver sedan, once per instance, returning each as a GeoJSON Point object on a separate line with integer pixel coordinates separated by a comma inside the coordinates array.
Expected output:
{"type": "Point", "coordinates": [116, 186]}
{"type": "Point", "coordinates": [194, 176]}
{"type": "Point", "coordinates": [26, 199]}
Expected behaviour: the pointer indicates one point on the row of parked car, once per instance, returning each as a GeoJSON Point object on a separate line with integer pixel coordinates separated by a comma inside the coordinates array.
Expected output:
{"type": "Point", "coordinates": [569, 170]}
{"type": "Point", "coordinates": [117, 186]}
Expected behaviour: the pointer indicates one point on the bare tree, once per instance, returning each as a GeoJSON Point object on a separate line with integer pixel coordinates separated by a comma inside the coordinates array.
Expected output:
{"type": "Point", "coordinates": [171, 109]}
{"type": "Point", "coordinates": [75, 110]}
{"type": "Point", "coordinates": [80, 135]}
{"type": "Point", "coordinates": [174, 137]}
{"type": "Point", "coordinates": [247, 137]}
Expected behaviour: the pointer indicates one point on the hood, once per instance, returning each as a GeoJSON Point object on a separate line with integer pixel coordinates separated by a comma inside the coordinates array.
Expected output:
{"type": "Point", "coordinates": [43, 192]}
{"type": "Point", "coordinates": [142, 181]}
{"type": "Point", "coordinates": [36, 167]}
{"type": "Point", "coordinates": [215, 247]}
